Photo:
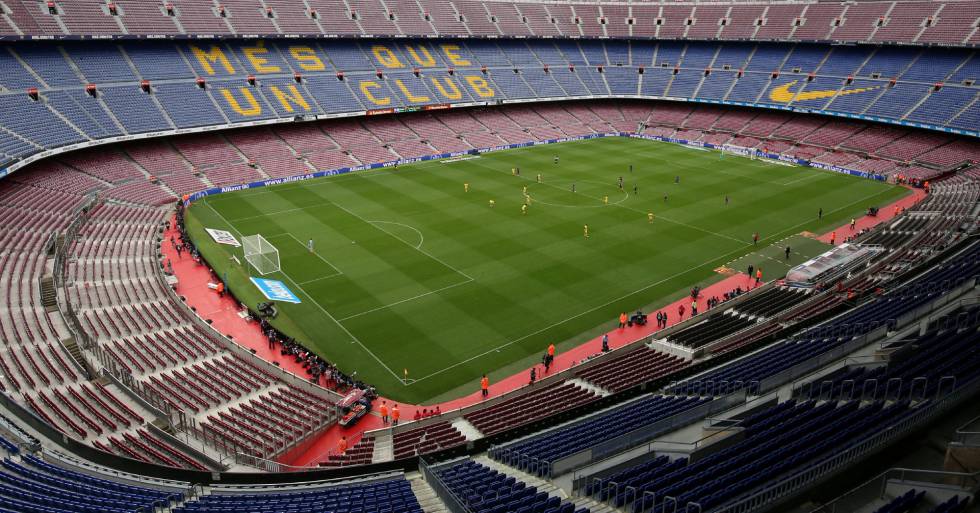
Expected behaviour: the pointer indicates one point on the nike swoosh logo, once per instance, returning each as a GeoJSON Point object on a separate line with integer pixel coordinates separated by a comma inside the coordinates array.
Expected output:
{"type": "Point", "coordinates": [782, 94]}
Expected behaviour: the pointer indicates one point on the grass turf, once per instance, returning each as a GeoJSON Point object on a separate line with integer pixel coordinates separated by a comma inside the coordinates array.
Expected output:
{"type": "Point", "coordinates": [411, 272]}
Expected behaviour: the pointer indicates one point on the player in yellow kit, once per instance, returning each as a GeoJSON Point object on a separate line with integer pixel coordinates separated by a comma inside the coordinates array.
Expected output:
{"type": "Point", "coordinates": [649, 217]}
{"type": "Point", "coordinates": [524, 209]}
{"type": "Point", "coordinates": [586, 230]}
{"type": "Point", "coordinates": [492, 203]}
{"type": "Point", "coordinates": [466, 187]}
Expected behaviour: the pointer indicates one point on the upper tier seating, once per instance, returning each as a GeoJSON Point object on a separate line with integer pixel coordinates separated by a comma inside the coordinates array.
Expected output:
{"type": "Point", "coordinates": [905, 21]}
{"type": "Point", "coordinates": [301, 78]}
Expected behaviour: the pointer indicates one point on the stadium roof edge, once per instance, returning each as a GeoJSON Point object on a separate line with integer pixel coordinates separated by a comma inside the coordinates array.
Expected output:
{"type": "Point", "coordinates": [356, 37]}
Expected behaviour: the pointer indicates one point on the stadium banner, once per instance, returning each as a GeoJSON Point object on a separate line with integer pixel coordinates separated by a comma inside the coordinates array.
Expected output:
{"type": "Point", "coordinates": [223, 237]}
{"type": "Point", "coordinates": [275, 290]}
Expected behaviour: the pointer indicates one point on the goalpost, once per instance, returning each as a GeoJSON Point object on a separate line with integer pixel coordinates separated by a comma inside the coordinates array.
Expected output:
{"type": "Point", "coordinates": [738, 150]}
{"type": "Point", "coordinates": [263, 256]}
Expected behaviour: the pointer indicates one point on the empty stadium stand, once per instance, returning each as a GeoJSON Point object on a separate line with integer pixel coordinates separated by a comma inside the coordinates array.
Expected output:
{"type": "Point", "coordinates": [74, 98]}
{"type": "Point", "coordinates": [110, 111]}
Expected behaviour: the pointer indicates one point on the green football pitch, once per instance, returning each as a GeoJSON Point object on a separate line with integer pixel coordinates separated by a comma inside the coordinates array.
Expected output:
{"type": "Point", "coordinates": [409, 271]}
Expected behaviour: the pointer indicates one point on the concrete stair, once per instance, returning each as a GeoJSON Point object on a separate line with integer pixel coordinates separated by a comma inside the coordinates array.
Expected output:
{"type": "Point", "coordinates": [384, 449]}
{"type": "Point", "coordinates": [426, 496]}
{"type": "Point", "coordinates": [468, 430]}
{"type": "Point", "coordinates": [581, 383]}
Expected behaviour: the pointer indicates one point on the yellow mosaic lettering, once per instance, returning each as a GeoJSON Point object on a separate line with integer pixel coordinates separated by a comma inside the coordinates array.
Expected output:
{"type": "Point", "coordinates": [252, 53]}
{"type": "Point", "coordinates": [287, 99]}
{"type": "Point", "coordinates": [456, 94]}
{"type": "Point", "coordinates": [480, 86]}
{"type": "Point", "coordinates": [426, 60]}
{"type": "Point", "coordinates": [454, 57]}
{"type": "Point", "coordinates": [306, 58]}
{"type": "Point", "coordinates": [366, 87]}
{"type": "Point", "coordinates": [212, 56]}
{"type": "Point", "coordinates": [386, 57]}
{"type": "Point", "coordinates": [254, 109]}
{"type": "Point", "coordinates": [408, 94]}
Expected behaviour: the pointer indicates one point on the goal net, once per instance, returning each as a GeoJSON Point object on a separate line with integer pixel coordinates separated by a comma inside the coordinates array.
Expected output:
{"type": "Point", "coordinates": [263, 256]}
{"type": "Point", "coordinates": [742, 151]}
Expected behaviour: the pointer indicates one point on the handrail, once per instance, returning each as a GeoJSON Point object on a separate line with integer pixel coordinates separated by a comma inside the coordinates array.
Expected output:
{"type": "Point", "coordinates": [854, 499]}
{"type": "Point", "coordinates": [452, 502]}
{"type": "Point", "coordinates": [770, 495]}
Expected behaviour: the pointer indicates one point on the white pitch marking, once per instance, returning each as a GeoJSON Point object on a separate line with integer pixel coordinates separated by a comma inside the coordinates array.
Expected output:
{"type": "Point", "coordinates": [318, 305]}
{"type": "Point", "coordinates": [421, 237]}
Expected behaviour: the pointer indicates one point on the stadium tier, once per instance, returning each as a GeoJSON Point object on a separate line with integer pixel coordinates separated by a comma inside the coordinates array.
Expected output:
{"type": "Point", "coordinates": [77, 93]}
{"type": "Point", "coordinates": [136, 375]}
{"type": "Point", "coordinates": [948, 23]}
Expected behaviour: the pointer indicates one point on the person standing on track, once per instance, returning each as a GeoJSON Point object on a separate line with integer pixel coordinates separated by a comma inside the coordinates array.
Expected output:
{"type": "Point", "coordinates": [384, 412]}
{"type": "Point", "coordinates": [485, 386]}
{"type": "Point", "coordinates": [395, 414]}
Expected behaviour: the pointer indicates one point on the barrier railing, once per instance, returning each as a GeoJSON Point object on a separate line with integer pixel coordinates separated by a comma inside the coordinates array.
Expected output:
{"type": "Point", "coordinates": [969, 433]}
{"type": "Point", "coordinates": [876, 487]}
{"type": "Point", "coordinates": [772, 494]}
{"type": "Point", "coordinates": [447, 497]}
{"type": "Point", "coordinates": [639, 436]}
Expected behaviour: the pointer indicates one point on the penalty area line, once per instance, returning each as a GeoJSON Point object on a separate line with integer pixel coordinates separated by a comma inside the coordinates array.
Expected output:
{"type": "Point", "coordinates": [319, 306]}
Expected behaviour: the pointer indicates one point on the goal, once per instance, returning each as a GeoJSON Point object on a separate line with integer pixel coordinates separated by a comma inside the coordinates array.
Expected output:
{"type": "Point", "coordinates": [738, 150]}
{"type": "Point", "coordinates": [263, 256]}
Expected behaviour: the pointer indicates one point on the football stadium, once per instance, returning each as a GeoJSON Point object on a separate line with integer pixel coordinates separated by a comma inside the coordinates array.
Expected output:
{"type": "Point", "coordinates": [490, 256]}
